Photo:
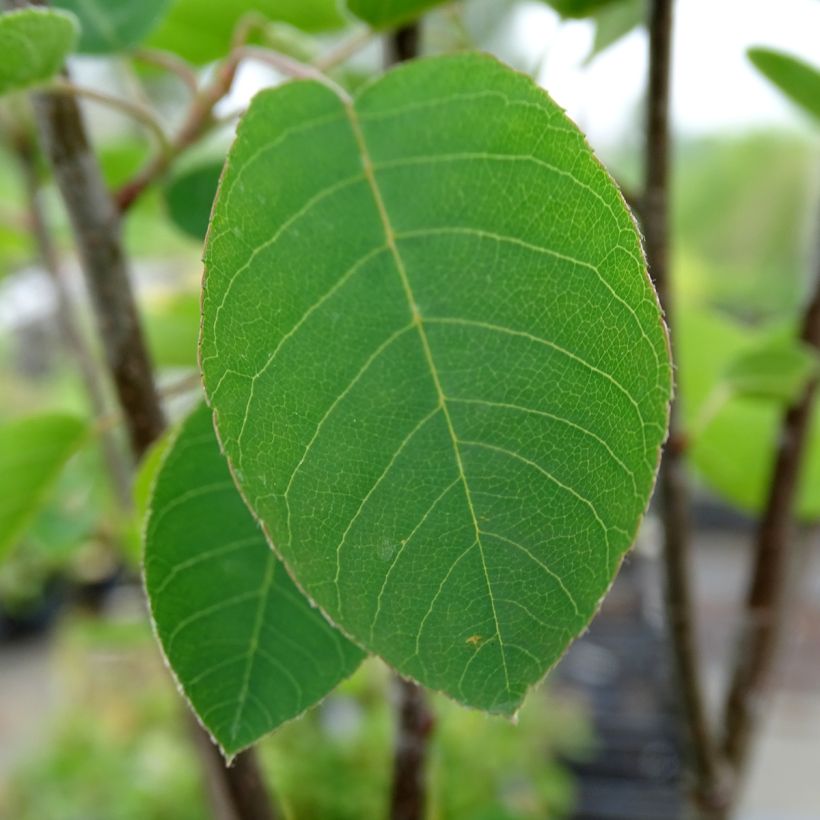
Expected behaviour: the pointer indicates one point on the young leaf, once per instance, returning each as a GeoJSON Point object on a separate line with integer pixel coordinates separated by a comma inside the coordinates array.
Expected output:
{"type": "Point", "coordinates": [778, 370]}
{"type": "Point", "coordinates": [798, 80]}
{"type": "Point", "coordinates": [107, 26]}
{"type": "Point", "coordinates": [734, 444]}
{"type": "Point", "coordinates": [33, 451]}
{"type": "Point", "coordinates": [388, 13]}
{"type": "Point", "coordinates": [437, 365]}
{"type": "Point", "coordinates": [190, 196]}
{"type": "Point", "coordinates": [34, 44]}
{"type": "Point", "coordinates": [246, 647]}
{"type": "Point", "coordinates": [201, 30]}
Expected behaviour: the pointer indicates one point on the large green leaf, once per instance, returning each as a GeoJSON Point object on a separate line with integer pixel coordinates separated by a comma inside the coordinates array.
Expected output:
{"type": "Point", "coordinates": [466, 539]}
{"type": "Point", "coordinates": [384, 13]}
{"type": "Point", "coordinates": [34, 43]}
{"type": "Point", "coordinates": [437, 365]}
{"type": "Point", "coordinates": [201, 30]}
{"type": "Point", "coordinates": [33, 451]}
{"type": "Point", "coordinates": [798, 80]}
{"type": "Point", "coordinates": [732, 443]}
{"type": "Point", "coordinates": [113, 25]}
{"type": "Point", "coordinates": [246, 647]}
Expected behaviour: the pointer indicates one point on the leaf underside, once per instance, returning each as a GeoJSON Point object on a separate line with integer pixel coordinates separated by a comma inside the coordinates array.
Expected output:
{"type": "Point", "coordinates": [246, 647]}
{"type": "Point", "coordinates": [384, 13]}
{"type": "Point", "coordinates": [34, 43]}
{"type": "Point", "coordinates": [437, 365]}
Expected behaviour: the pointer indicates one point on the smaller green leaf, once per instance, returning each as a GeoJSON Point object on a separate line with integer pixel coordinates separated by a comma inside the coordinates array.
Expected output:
{"type": "Point", "coordinates": [778, 370]}
{"type": "Point", "coordinates": [34, 44]}
{"type": "Point", "coordinates": [190, 196]}
{"type": "Point", "coordinates": [113, 25]}
{"type": "Point", "coordinates": [246, 647]}
{"type": "Point", "coordinates": [798, 80]}
{"type": "Point", "coordinates": [33, 451]}
{"type": "Point", "coordinates": [387, 13]}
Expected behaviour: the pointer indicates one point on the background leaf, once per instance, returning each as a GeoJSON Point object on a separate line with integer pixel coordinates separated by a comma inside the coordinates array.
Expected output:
{"type": "Point", "coordinates": [798, 80]}
{"type": "Point", "coordinates": [246, 647]}
{"type": "Point", "coordinates": [581, 8]}
{"type": "Point", "coordinates": [201, 30]}
{"type": "Point", "coordinates": [386, 13]}
{"type": "Point", "coordinates": [33, 451]}
{"type": "Point", "coordinates": [614, 21]}
{"type": "Point", "coordinates": [190, 195]}
{"type": "Point", "coordinates": [108, 26]}
{"type": "Point", "coordinates": [732, 453]}
{"type": "Point", "coordinates": [777, 370]}
{"type": "Point", "coordinates": [34, 44]}
{"type": "Point", "coordinates": [437, 365]}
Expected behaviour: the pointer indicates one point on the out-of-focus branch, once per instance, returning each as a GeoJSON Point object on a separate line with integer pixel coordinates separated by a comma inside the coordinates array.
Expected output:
{"type": "Point", "coordinates": [70, 329]}
{"type": "Point", "coordinates": [766, 602]}
{"type": "Point", "coordinates": [674, 494]}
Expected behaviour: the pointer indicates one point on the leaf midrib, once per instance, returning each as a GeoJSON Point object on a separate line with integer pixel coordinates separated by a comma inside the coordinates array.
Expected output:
{"type": "Point", "coordinates": [390, 238]}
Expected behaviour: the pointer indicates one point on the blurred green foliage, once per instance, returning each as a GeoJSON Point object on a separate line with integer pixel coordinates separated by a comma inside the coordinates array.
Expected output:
{"type": "Point", "coordinates": [118, 747]}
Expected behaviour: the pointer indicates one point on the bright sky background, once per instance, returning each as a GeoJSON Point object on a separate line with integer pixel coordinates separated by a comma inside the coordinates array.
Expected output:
{"type": "Point", "coordinates": [714, 85]}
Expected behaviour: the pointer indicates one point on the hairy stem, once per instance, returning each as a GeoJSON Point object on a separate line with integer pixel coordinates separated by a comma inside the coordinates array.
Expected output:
{"type": "Point", "coordinates": [766, 601]}
{"type": "Point", "coordinates": [674, 494]}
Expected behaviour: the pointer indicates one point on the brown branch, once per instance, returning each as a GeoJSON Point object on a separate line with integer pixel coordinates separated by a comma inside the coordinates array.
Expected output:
{"type": "Point", "coordinates": [765, 602]}
{"type": "Point", "coordinates": [674, 494]}
{"type": "Point", "coordinates": [95, 223]}
{"type": "Point", "coordinates": [415, 724]}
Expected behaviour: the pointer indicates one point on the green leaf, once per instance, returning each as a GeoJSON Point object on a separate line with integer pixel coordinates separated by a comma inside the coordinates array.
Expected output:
{"type": "Point", "coordinates": [580, 8]}
{"type": "Point", "coordinates": [190, 195]}
{"type": "Point", "coordinates": [733, 445]}
{"type": "Point", "coordinates": [33, 451]}
{"type": "Point", "coordinates": [172, 327]}
{"type": "Point", "coordinates": [201, 30]}
{"type": "Point", "coordinates": [798, 80]}
{"type": "Point", "coordinates": [107, 26]}
{"type": "Point", "coordinates": [614, 21]}
{"type": "Point", "coordinates": [777, 370]}
{"type": "Point", "coordinates": [34, 44]}
{"type": "Point", "coordinates": [246, 647]}
{"type": "Point", "coordinates": [388, 13]}
{"type": "Point", "coordinates": [437, 365]}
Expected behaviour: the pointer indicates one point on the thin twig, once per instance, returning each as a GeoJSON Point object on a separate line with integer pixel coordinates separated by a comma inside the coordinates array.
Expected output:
{"type": "Point", "coordinates": [674, 494]}
{"type": "Point", "coordinates": [168, 62]}
{"type": "Point", "coordinates": [342, 52]}
{"type": "Point", "coordinates": [137, 111]}
{"type": "Point", "coordinates": [766, 602]}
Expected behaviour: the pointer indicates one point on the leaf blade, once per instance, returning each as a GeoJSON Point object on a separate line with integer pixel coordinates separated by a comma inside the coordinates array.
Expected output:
{"type": "Point", "coordinates": [797, 79]}
{"type": "Point", "coordinates": [407, 400]}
